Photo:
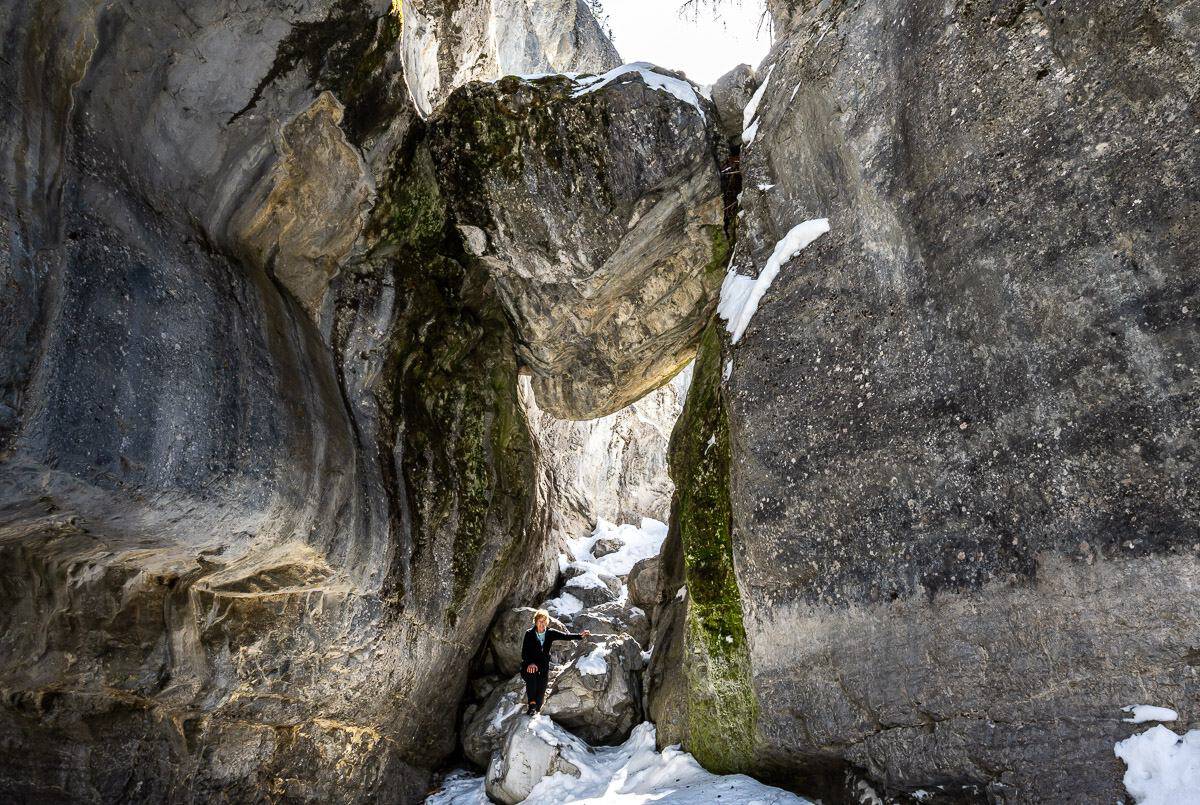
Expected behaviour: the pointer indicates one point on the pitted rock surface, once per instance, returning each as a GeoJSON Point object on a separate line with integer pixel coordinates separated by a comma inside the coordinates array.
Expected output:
{"type": "Point", "coordinates": [964, 422]}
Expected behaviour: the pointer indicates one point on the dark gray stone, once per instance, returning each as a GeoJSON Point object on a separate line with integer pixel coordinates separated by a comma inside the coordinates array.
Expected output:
{"type": "Point", "coordinates": [964, 422]}
{"type": "Point", "coordinates": [730, 94]}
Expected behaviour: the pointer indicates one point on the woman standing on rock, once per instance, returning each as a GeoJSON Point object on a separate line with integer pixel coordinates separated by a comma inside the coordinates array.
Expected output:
{"type": "Point", "coordinates": [535, 657]}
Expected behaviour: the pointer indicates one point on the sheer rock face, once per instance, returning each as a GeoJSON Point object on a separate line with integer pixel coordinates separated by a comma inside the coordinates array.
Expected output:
{"type": "Point", "coordinates": [963, 423]}
{"type": "Point", "coordinates": [614, 467]}
{"type": "Point", "coordinates": [446, 45]}
{"type": "Point", "coordinates": [265, 476]}
{"type": "Point", "coordinates": [598, 214]}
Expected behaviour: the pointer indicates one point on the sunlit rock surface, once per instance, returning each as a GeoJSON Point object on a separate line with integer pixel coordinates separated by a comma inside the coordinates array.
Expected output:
{"type": "Point", "coordinates": [265, 477]}
{"type": "Point", "coordinates": [612, 468]}
{"type": "Point", "coordinates": [446, 45]}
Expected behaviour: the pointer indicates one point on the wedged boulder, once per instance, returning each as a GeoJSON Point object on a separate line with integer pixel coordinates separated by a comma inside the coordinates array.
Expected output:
{"type": "Point", "coordinates": [643, 583]}
{"type": "Point", "coordinates": [730, 94]}
{"type": "Point", "coordinates": [507, 633]}
{"type": "Point", "coordinates": [484, 728]}
{"type": "Point", "coordinates": [613, 619]}
{"type": "Point", "coordinates": [596, 206]}
{"type": "Point", "coordinates": [961, 424]}
{"type": "Point", "coordinates": [597, 695]}
{"type": "Point", "coordinates": [532, 749]}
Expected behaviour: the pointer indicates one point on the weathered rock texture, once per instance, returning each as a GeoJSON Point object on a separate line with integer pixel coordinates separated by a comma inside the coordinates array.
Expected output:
{"type": "Point", "coordinates": [963, 424]}
{"type": "Point", "coordinates": [730, 94]}
{"type": "Point", "coordinates": [265, 477]}
{"type": "Point", "coordinates": [614, 467]}
{"type": "Point", "coordinates": [446, 45]}
{"type": "Point", "coordinates": [598, 213]}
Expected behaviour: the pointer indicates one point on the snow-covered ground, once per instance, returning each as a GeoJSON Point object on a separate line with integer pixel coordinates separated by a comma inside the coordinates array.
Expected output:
{"type": "Point", "coordinates": [633, 772]}
{"type": "Point", "coordinates": [640, 542]}
{"type": "Point", "coordinates": [1163, 767]}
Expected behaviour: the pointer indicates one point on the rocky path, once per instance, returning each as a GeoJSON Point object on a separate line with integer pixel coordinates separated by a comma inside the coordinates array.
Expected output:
{"type": "Point", "coordinates": [591, 739]}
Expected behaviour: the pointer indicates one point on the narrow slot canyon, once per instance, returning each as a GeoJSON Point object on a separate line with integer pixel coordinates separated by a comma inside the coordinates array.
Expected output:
{"type": "Point", "coordinates": [847, 399]}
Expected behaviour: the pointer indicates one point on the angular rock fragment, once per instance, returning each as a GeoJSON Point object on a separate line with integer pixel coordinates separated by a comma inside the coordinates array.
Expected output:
{"type": "Point", "coordinates": [597, 695]}
{"type": "Point", "coordinates": [643, 584]}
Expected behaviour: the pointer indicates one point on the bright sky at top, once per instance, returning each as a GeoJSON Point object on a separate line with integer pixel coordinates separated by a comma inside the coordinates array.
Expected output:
{"type": "Point", "coordinates": [704, 46]}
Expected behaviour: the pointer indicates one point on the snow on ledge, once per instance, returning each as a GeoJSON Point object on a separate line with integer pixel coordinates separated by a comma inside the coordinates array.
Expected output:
{"type": "Point", "coordinates": [740, 294]}
{"type": "Point", "coordinates": [1148, 712]}
{"type": "Point", "coordinates": [683, 90]}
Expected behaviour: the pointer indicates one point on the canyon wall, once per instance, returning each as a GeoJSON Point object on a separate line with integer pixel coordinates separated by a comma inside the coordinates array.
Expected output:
{"type": "Point", "coordinates": [962, 425]}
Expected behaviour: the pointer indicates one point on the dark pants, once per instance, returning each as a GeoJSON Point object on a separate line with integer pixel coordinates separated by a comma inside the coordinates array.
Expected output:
{"type": "Point", "coordinates": [535, 687]}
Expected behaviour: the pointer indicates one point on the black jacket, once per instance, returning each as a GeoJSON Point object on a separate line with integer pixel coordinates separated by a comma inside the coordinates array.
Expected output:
{"type": "Point", "coordinates": [539, 653]}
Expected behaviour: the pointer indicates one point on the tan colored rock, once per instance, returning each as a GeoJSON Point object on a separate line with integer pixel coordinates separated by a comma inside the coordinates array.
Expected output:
{"type": "Point", "coordinates": [302, 219]}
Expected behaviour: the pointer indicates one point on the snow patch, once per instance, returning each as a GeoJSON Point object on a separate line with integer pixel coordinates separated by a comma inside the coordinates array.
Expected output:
{"type": "Point", "coordinates": [740, 294]}
{"type": "Point", "coordinates": [594, 664]}
{"type": "Point", "coordinates": [564, 605]}
{"type": "Point", "coordinates": [1148, 712]}
{"type": "Point", "coordinates": [633, 772]}
{"type": "Point", "coordinates": [750, 133]}
{"type": "Point", "coordinates": [752, 107]}
{"type": "Point", "coordinates": [681, 89]}
{"type": "Point", "coordinates": [639, 542]}
{"type": "Point", "coordinates": [1163, 768]}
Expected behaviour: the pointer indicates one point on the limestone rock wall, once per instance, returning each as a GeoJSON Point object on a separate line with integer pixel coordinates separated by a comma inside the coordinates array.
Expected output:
{"type": "Point", "coordinates": [614, 467]}
{"type": "Point", "coordinates": [265, 477]}
{"type": "Point", "coordinates": [962, 424]}
{"type": "Point", "coordinates": [447, 45]}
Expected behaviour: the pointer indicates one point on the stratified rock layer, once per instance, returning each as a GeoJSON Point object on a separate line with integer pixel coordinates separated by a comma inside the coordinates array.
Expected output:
{"type": "Point", "coordinates": [596, 207]}
{"type": "Point", "coordinates": [963, 424]}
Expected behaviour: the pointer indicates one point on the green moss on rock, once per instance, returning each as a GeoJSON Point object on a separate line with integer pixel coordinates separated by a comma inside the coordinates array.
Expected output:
{"type": "Point", "coordinates": [448, 391]}
{"type": "Point", "coordinates": [721, 707]}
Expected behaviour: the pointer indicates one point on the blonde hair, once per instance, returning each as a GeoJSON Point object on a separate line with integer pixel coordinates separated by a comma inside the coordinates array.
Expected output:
{"type": "Point", "coordinates": [541, 613]}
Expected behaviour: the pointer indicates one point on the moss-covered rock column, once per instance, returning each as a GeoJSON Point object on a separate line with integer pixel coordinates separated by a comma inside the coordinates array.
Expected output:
{"type": "Point", "coordinates": [700, 692]}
